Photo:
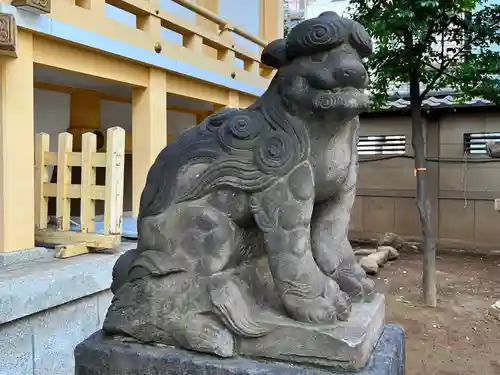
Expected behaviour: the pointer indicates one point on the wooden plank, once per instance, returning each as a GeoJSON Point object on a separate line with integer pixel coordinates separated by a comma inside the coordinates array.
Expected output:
{"type": "Point", "coordinates": [115, 160]}
{"type": "Point", "coordinates": [71, 250]}
{"type": "Point", "coordinates": [65, 145]}
{"type": "Point", "coordinates": [228, 57]}
{"type": "Point", "coordinates": [42, 144]}
{"type": "Point", "coordinates": [87, 204]}
{"type": "Point", "coordinates": [75, 191]}
{"type": "Point", "coordinates": [193, 42]}
{"type": "Point", "coordinates": [75, 159]}
{"type": "Point", "coordinates": [96, 240]}
{"type": "Point", "coordinates": [252, 67]}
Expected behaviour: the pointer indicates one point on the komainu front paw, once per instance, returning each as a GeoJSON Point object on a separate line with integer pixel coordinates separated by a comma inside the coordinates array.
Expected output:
{"type": "Point", "coordinates": [353, 280]}
{"type": "Point", "coordinates": [327, 307]}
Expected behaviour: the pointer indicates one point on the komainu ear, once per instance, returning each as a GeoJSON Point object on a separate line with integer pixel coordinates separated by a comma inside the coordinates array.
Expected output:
{"type": "Point", "coordinates": [274, 54]}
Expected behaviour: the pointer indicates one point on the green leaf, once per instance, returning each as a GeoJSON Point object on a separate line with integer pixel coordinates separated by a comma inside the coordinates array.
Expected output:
{"type": "Point", "coordinates": [408, 35]}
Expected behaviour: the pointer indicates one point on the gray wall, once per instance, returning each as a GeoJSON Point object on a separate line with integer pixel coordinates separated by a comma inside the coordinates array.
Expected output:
{"type": "Point", "coordinates": [48, 306]}
{"type": "Point", "coordinates": [461, 194]}
{"type": "Point", "coordinates": [43, 343]}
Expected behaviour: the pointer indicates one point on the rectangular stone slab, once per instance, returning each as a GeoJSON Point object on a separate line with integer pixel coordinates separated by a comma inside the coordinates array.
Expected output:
{"type": "Point", "coordinates": [345, 345]}
{"type": "Point", "coordinates": [99, 355]}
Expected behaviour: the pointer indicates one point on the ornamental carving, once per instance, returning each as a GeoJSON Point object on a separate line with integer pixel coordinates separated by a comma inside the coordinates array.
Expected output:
{"type": "Point", "coordinates": [33, 6]}
{"type": "Point", "coordinates": [8, 37]}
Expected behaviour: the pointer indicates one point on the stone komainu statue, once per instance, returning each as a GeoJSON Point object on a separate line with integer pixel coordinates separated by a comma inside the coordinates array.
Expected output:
{"type": "Point", "coordinates": [247, 214]}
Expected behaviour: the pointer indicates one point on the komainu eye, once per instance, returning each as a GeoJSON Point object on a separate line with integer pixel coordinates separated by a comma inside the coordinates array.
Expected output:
{"type": "Point", "coordinates": [319, 57]}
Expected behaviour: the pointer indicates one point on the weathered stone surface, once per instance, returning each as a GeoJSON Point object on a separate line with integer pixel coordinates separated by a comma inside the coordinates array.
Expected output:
{"type": "Point", "coordinates": [494, 310]}
{"type": "Point", "coordinates": [246, 215]}
{"type": "Point", "coordinates": [493, 149]}
{"type": "Point", "coordinates": [26, 255]}
{"type": "Point", "coordinates": [100, 355]}
{"type": "Point", "coordinates": [56, 332]}
{"type": "Point", "coordinates": [16, 342]}
{"type": "Point", "coordinates": [372, 262]}
{"type": "Point", "coordinates": [37, 282]}
{"type": "Point", "coordinates": [391, 253]}
{"type": "Point", "coordinates": [397, 242]}
{"type": "Point", "coordinates": [44, 343]}
{"type": "Point", "coordinates": [342, 345]}
{"type": "Point", "coordinates": [369, 265]}
{"type": "Point", "coordinates": [363, 252]}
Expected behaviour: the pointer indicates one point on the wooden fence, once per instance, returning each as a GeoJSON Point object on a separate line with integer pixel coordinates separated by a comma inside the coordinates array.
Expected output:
{"type": "Point", "coordinates": [58, 230]}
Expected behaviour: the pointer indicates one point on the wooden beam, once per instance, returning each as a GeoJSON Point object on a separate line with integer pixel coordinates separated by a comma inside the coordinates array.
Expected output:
{"type": "Point", "coordinates": [111, 97]}
{"type": "Point", "coordinates": [96, 240]}
{"type": "Point", "coordinates": [71, 250]}
{"type": "Point", "coordinates": [233, 100]}
{"type": "Point", "coordinates": [64, 56]}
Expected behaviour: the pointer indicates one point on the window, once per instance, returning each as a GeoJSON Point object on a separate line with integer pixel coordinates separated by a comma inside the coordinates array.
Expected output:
{"type": "Point", "coordinates": [475, 143]}
{"type": "Point", "coordinates": [382, 145]}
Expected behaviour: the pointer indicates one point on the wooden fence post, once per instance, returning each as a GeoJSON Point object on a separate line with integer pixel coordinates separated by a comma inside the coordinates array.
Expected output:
{"type": "Point", "coordinates": [42, 142]}
{"type": "Point", "coordinates": [115, 160]}
{"type": "Point", "coordinates": [65, 145]}
{"type": "Point", "coordinates": [76, 242]}
{"type": "Point", "coordinates": [87, 204]}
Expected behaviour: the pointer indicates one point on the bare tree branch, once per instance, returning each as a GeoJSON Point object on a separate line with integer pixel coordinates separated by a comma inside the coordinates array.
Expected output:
{"type": "Point", "coordinates": [441, 71]}
{"type": "Point", "coordinates": [438, 70]}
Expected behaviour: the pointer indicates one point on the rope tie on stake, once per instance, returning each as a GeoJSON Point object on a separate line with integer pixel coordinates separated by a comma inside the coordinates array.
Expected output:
{"type": "Point", "coordinates": [415, 170]}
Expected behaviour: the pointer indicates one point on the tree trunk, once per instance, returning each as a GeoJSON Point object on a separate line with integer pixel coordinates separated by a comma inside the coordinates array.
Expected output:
{"type": "Point", "coordinates": [423, 203]}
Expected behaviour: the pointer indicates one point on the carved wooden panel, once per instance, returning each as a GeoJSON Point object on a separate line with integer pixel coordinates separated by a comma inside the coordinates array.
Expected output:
{"type": "Point", "coordinates": [33, 6]}
{"type": "Point", "coordinates": [8, 34]}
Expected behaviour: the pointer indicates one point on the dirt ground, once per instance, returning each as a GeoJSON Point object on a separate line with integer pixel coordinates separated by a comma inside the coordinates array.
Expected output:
{"type": "Point", "coordinates": [458, 337]}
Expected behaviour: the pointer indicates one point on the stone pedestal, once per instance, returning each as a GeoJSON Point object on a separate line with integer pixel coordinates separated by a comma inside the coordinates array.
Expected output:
{"type": "Point", "coordinates": [101, 355]}
{"type": "Point", "coordinates": [344, 345]}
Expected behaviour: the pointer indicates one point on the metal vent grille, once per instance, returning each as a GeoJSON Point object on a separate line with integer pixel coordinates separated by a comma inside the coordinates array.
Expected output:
{"type": "Point", "coordinates": [382, 145]}
{"type": "Point", "coordinates": [475, 143]}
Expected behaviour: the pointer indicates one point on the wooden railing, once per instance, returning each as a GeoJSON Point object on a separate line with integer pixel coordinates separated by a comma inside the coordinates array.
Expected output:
{"type": "Point", "coordinates": [221, 22]}
{"type": "Point", "coordinates": [150, 18]}
{"type": "Point", "coordinates": [194, 37]}
{"type": "Point", "coordinates": [58, 232]}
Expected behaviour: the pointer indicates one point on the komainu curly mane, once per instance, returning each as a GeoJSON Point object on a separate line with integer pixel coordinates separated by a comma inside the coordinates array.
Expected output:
{"type": "Point", "coordinates": [247, 149]}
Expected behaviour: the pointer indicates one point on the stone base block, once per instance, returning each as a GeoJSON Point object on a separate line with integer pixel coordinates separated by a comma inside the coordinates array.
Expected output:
{"type": "Point", "coordinates": [101, 355]}
{"type": "Point", "coordinates": [345, 345]}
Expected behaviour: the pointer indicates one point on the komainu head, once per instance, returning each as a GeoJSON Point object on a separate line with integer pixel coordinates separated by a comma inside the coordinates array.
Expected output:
{"type": "Point", "coordinates": [321, 76]}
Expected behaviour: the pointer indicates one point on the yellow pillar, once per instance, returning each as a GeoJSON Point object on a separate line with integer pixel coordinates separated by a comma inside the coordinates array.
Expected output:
{"type": "Point", "coordinates": [149, 129]}
{"type": "Point", "coordinates": [271, 19]}
{"type": "Point", "coordinates": [17, 222]}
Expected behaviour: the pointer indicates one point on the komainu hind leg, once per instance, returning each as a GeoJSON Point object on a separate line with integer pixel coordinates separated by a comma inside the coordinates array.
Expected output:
{"type": "Point", "coordinates": [188, 237]}
{"type": "Point", "coordinates": [179, 293]}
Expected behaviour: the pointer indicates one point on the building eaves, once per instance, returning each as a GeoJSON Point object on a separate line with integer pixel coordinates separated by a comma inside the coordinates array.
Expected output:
{"type": "Point", "coordinates": [437, 102]}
